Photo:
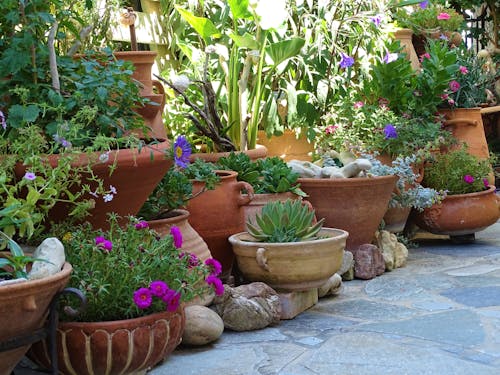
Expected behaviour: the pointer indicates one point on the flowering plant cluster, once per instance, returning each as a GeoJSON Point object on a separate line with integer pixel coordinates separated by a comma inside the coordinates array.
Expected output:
{"type": "Point", "coordinates": [130, 272]}
{"type": "Point", "coordinates": [457, 172]}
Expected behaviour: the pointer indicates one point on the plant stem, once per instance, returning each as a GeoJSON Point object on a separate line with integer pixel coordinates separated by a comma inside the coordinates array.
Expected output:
{"type": "Point", "coordinates": [56, 85]}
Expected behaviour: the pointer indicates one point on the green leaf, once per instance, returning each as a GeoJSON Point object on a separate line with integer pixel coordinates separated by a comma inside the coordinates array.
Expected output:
{"type": "Point", "coordinates": [4, 262]}
{"type": "Point", "coordinates": [291, 103]}
{"type": "Point", "coordinates": [245, 41]}
{"type": "Point", "coordinates": [32, 197]}
{"type": "Point", "coordinates": [285, 49]}
{"type": "Point", "coordinates": [203, 26]}
{"type": "Point", "coordinates": [23, 114]}
{"type": "Point", "coordinates": [15, 249]}
{"type": "Point", "coordinates": [239, 9]}
{"type": "Point", "coordinates": [102, 92]}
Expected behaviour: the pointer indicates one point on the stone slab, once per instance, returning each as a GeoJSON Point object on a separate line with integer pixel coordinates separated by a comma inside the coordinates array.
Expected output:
{"type": "Point", "coordinates": [475, 297]}
{"type": "Point", "coordinates": [293, 303]}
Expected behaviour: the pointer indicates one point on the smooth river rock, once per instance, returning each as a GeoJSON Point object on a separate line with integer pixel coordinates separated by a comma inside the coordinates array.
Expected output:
{"type": "Point", "coordinates": [203, 325]}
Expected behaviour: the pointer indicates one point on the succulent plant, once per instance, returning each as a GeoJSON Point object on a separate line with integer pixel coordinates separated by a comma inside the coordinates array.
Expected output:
{"type": "Point", "coordinates": [288, 221]}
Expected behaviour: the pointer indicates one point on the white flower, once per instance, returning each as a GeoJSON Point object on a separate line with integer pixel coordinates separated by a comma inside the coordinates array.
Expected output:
{"type": "Point", "coordinates": [108, 198]}
{"type": "Point", "coordinates": [103, 158]}
{"type": "Point", "coordinates": [181, 82]}
{"type": "Point", "coordinates": [272, 13]}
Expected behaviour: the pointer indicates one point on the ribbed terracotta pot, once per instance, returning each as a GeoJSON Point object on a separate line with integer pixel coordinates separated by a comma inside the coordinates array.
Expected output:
{"type": "Point", "coordinates": [129, 346]}
{"type": "Point", "coordinates": [24, 309]}
{"type": "Point", "coordinates": [217, 214]}
{"type": "Point", "coordinates": [191, 240]}
{"type": "Point", "coordinates": [395, 219]}
{"type": "Point", "coordinates": [356, 205]}
{"type": "Point", "coordinates": [461, 214]}
{"type": "Point", "coordinates": [293, 266]}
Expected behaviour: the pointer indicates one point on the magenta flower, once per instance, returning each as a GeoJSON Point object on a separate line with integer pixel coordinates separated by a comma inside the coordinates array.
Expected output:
{"type": "Point", "coordinates": [142, 225]}
{"type": "Point", "coordinates": [177, 235]}
{"type": "Point", "coordinates": [158, 288]}
{"type": "Point", "coordinates": [174, 301]}
{"type": "Point", "coordinates": [330, 129]}
{"type": "Point", "coordinates": [424, 56]}
{"type": "Point", "coordinates": [99, 240]}
{"type": "Point", "coordinates": [346, 61]}
{"type": "Point", "coordinates": [29, 176]}
{"type": "Point", "coordinates": [443, 16]}
{"type": "Point", "coordinates": [486, 183]}
{"type": "Point", "coordinates": [143, 298]}
{"type": "Point", "coordinates": [215, 265]}
{"type": "Point", "coordinates": [390, 131]}
{"type": "Point", "coordinates": [193, 260]}
{"type": "Point", "coordinates": [216, 283]}
{"type": "Point", "coordinates": [182, 151]}
{"type": "Point", "coordinates": [454, 86]}
{"type": "Point", "coordinates": [107, 245]}
{"type": "Point", "coordinates": [468, 179]}
{"type": "Point", "coordinates": [463, 69]}
{"type": "Point", "coordinates": [358, 105]}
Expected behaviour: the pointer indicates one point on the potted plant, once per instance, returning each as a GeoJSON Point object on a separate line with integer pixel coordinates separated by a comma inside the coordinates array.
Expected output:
{"type": "Point", "coordinates": [470, 204]}
{"type": "Point", "coordinates": [135, 283]}
{"type": "Point", "coordinates": [285, 248]}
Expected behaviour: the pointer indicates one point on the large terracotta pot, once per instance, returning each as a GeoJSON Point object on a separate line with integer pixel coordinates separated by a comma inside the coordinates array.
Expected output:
{"type": "Point", "coordinates": [129, 346]}
{"type": "Point", "coordinates": [191, 240]}
{"type": "Point", "coordinates": [23, 309]}
{"type": "Point", "coordinates": [356, 205]}
{"type": "Point", "coordinates": [404, 36]}
{"type": "Point", "coordinates": [217, 214]}
{"type": "Point", "coordinates": [287, 146]}
{"type": "Point", "coordinates": [134, 178]}
{"type": "Point", "coordinates": [293, 266]}
{"type": "Point", "coordinates": [461, 214]}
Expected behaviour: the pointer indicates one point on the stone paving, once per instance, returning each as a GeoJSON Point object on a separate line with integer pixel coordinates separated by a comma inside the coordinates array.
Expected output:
{"type": "Point", "coordinates": [438, 315]}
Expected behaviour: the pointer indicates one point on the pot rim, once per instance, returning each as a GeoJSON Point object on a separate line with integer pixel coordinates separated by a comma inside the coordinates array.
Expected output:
{"type": "Point", "coordinates": [491, 189]}
{"type": "Point", "coordinates": [341, 234]}
{"type": "Point", "coordinates": [369, 180]}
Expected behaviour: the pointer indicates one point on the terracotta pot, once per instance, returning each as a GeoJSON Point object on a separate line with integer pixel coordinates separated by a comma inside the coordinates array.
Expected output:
{"type": "Point", "coordinates": [395, 219]}
{"type": "Point", "coordinates": [217, 214]}
{"type": "Point", "coordinates": [356, 205]}
{"type": "Point", "coordinates": [191, 240]}
{"type": "Point", "coordinates": [24, 309]}
{"type": "Point", "coordinates": [404, 36]}
{"type": "Point", "coordinates": [254, 207]}
{"type": "Point", "coordinates": [129, 346]}
{"type": "Point", "coordinates": [293, 266]}
{"type": "Point", "coordinates": [287, 146]}
{"type": "Point", "coordinates": [259, 152]}
{"type": "Point", "coordinates": [461, 214]}
{"type": "Point", "coordinates": [134, 178]}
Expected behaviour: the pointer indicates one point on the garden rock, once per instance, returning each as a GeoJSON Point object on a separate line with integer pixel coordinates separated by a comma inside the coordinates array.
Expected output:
{"type": "Point", "coordinates": [51, 250]}
{"type": "Point", "coordinates": [368, 262]}
{"type": "Point", "coordinates": [248, 307]}
{"type": "Point", "coordinates": [332, 287]}
{"type": "Point", "coordinates": [203, 325]}
{"type": "Point", "coordinates": [305, 169]}
{"type": "Point", "coordinates": [353, 169]}
{"type": "Point", "coordinates": [393, 252]}
{"type": "Point", "coordinates": [347, 267]}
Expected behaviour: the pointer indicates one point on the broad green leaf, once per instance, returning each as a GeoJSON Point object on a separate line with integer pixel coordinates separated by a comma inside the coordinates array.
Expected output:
{"type": "Point", "coordinates": [245, 41]}
{"type": "Point", "coordinates": [239, 9]}
{"type": "Point", "coordinates": [203, 26]}
{"type": "Point", "coordinates": [291, 103]}
{"type": "Point", "coordinates": [283, 50]}
{"type": "Point", "coordinates": [15, 249]}
{"type": "Point", "coordinates": [23, 114]}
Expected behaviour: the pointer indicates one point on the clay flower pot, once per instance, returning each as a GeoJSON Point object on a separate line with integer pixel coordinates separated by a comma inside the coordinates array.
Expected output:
{"type": "Point", "coordinates": [356, 205]}
{"type": "Point", "coordinates": [23, 310]}
{"type": "Point", "coordinates": [290, 266]}
{"type": "Point", "coordinates": [461, 214]}
{"type": "Point", "coordinates": [129, 346]}
{"type": "Point", "coordinates": [395, 219]}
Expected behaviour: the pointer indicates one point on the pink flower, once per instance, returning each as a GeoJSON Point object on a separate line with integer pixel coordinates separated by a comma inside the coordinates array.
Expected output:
{"type": "Point", "coordinates": [468, 179]}
{"type": "Point", "coordinates": [143, 298]}
{"type": "Point", "coordinates": [463, 69]}
{"type": "Point", "coordinates": [358, 105]}
{"type": "Point", "coordinates": [142, 225]}
{"type": "Point", "coordinates": [158, 288]}
{"type": "Point", "coordinates": [443, 16]}
{"type": "Point", "coordinates": [383, 103]}
{"type": "Point", "coordinates": [424, 56]}
{"type": "Point", "coordinates": [216, 283]}
{"type": "Point", "coordinates": [454, 86]}
{"type": "Point", "coordinates": [330, 129]}
{"type": "Point", "coordinates": [486, 183]}
{"type": "Point", "coordinates": [444, 96]}
{"type": "Point", "coordinates": [177, 235]}
{"type": "Point", "coordinates": [215, 265]}
{"type": "Point", "coordinates": [173, 301]}
{"type": "Point", "coordinates": [451, 102]}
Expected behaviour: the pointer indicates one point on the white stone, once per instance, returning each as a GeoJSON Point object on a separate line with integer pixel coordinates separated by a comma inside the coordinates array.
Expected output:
{"type": "Point", "coordinates": [203, 326]}
{"type": "Point", "coordinates": [305, 169]}
{"type": "Point", "coordinates": [52, 251]}
{"type": "Point", "coordinates": [332, 287]}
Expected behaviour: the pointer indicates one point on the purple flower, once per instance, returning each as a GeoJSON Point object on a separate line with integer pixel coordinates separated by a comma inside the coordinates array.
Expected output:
{"type": "Point", "coordinates": [143, 298]}
{"type": "Point", "coordinates": [377, 19]}
{"type": "Point", "coordinates": [182, 150]}
{"type": "Point", "coordinates": [424, 4]}
{"type": "Point", "coordinates": [390, 57]}
{"type": "Point", "coordinates": [141, 225]}
{"type": "Point", "coordinates": [346, 61]}
{"type": "Point", "coordinates": [112, 189]}
{"type": "Point", "coordinates": [99, 240]}
{"type": "Point", "coordinates": [158, 288]}
{"type": "Point", "coordinates": [177, 235]}
{"type": "Point", "coordinates": [193, 260]}
{"type": "Point", "coordinates": [216, 283]}
{"type": "Point", "coordinates": [468, 179]}
{"type": "Point", "coordinates": [216, 266]}
{"type": "Point", "coordinates": [390, 131]}
{"type": "Point", "coordinates": [104, 243]}
{"type": "Point", "coordinates": [29, 176]}
{"type": "Point", "coordinates": [486, 183]}
{"type": "Point", "coordinates": [173, 301]}
{"type": "Point", "coordinates": [2, 120]}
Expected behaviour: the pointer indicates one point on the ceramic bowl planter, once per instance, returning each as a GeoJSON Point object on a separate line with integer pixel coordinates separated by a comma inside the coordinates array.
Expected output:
{"type": "Point", "coordinates": [292, 266]}
{"type": "Point", "coordinates": [461, 214]}
{"type": "Point", "coordinates": [356, 205]}
{"type": "Point", "coordinates": [129, 346]}
{"type": "Point", "coordinates": [23, 310]}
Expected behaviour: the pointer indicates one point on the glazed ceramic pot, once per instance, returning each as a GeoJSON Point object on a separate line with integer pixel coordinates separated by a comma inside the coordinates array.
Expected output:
{"type": "Point", "coordinates": [191, 240]}
{"type": "Point", "coordinates": [461, 214]}
{"type": "Point", "coordinates": [293, 266]}
{"type": "Point", "coordinates": [24, 308]}
{"type": "Point", "coordinates": [129, 346]}
{"type": "Point", "coordinates": [356, 205]}
{"type": "Point", "coordinates": [217, 214]}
